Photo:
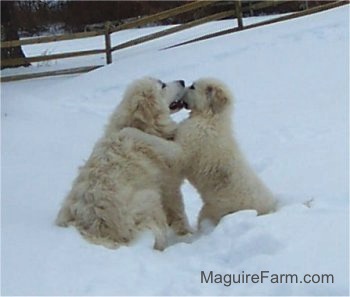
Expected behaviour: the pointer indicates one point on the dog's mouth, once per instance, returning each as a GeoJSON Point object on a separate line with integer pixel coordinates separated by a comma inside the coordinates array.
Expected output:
{"type": "Point", "coordinates": [176, 105]}
{"type": "Point", "coordinates": [185, 105]}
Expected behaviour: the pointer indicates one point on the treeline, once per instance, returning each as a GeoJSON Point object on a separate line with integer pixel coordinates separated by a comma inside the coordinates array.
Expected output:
{"type": "Point", "coordinates": [35, 17]}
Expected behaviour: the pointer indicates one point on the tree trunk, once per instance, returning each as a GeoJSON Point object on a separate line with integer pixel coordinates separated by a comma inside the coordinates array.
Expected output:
{"type": "Point", "coordinates": [9, 31]}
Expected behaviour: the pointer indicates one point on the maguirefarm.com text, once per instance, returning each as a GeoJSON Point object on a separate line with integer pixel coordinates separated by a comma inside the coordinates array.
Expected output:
{"type": "Point", "coordinates": [263, 277]}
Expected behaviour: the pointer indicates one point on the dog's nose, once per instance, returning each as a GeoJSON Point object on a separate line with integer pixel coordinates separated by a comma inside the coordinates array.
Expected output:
{"type": "Point", "coordinates": [181, 82]}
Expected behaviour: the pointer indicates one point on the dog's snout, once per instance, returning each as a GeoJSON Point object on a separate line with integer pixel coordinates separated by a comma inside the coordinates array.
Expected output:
{"type": "Point", "coordinates": [181, 82]}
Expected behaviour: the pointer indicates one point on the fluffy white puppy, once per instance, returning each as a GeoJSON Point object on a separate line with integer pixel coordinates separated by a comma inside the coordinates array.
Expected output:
{"type": "Point", "coordinates": [126, 184]}
{"type": "Point", "coordinates": [213, 161]}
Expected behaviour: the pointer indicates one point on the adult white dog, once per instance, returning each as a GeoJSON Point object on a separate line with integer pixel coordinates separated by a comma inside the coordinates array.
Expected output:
{"type": "Point", "coordinates": [126, 185]}
{"type": "Point", "coordinates": [213, 161]}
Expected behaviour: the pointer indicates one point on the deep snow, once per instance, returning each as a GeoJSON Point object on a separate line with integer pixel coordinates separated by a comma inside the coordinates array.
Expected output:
{"type": "Point", "coordinates": [291, 83]}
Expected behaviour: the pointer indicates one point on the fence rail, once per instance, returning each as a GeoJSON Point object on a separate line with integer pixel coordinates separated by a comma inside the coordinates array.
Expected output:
{"type": "Point", "coordinates": [263, 23]}
{"type": "Point", "coordinates": [50, 73]}
{"type": "Point", "coordinates": [178, 28]}
{"type": "Point", "coordinates": [11, 62]}
{"type": "Point", "coordinates": [236, 11]}
{"type": "Point", "coordinates": [165, 14]}
{"type": "Point", "coordinates": [133, 24]}
{"type": "Point", "coordinates": [109, 29]}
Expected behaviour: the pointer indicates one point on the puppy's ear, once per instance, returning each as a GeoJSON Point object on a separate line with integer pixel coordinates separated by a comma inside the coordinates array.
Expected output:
{"type": "Point", "coordinates": [218, 98]}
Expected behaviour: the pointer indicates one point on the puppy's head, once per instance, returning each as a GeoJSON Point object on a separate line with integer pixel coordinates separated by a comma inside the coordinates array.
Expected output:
{"type": "Point", "coordinates": [149, 103]}
{"type": "Point", "coordinates": [207, 95]}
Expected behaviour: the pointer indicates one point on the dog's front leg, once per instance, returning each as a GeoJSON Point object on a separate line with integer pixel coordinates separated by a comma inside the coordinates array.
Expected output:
{"type": "Point", "coordinates": [174, 208]}
{"type": "Point", "coordinates": [167, 149]}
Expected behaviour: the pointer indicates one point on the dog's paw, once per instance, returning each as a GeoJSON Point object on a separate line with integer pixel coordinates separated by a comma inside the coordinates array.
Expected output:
{"type": "Point", "coordinates": [129, 132]}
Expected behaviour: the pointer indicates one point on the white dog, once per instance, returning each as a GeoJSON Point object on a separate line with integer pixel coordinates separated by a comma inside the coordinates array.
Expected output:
{"type": "Point", "coordinates": [213, 162]}
{"type": "Point", "coordinates": [126, 185]}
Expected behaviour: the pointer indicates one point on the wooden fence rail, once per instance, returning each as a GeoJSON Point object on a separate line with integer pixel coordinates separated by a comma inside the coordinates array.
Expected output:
{"type": "Point", "coordinates": [165, 14]}
{"type": "Point", "coordinates": [134, 24]}
{"type": "Point", "coordinates": [12, 62]}
{"type": "Point", "coordinates": [263, 23]}
{"type": "Point", "coordinates": [47, 39]}
{"type": "Point", "coordinates": [50, 73]}
{"type": "Point", "coordinates": [178, 28]}
{"type": "Point", "coordinates": [236, 11]}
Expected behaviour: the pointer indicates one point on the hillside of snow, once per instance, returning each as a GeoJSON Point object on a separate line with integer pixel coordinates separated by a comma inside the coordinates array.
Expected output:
{"type": "Point", "coordinates": [291, 118]}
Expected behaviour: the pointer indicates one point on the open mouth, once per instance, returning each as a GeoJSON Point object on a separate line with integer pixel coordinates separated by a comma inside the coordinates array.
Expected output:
{"type": "Point", "coordinates": [175, 105]}
{"type": "Point", "coordinates": [185, 105]}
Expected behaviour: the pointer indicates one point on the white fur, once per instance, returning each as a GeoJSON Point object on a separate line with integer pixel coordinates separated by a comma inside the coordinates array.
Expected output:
{"type": "Point", "coordinates": [130, 182]}
{"type": "Point", "coordinates": [213, 161]}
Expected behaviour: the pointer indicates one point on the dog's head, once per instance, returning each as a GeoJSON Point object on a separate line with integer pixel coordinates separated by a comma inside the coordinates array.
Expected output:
{"type": "Point", "coordinates": [207, 95]}
{"type": "Point", "coordinates": [155, 96]}
{"type": "Point", "coordinates": [172, 92]}
{"type": "Point", "coordinates": [149, 102]}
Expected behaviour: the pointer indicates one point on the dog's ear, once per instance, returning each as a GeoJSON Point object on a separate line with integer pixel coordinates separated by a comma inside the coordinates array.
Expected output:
{"type": "Point", "coordinates": [147, 106]}
{"type": "Point", "coordinates": [149, 117]}
{"type": "Point", "coordinates": [217, 98]}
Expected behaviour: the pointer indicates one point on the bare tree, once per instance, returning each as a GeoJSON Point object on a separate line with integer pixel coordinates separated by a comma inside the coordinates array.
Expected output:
{"type": "Point", "coordinates": [9, 31]}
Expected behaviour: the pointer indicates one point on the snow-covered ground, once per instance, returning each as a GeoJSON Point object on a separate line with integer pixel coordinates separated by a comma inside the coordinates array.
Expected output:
{"type": "Point", "coordinates": [291, 82]}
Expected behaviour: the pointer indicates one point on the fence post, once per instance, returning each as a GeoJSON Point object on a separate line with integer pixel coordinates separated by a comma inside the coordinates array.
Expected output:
{"type": "Point", "coordinates": [239, 14]}
{"type": "Point", "coordinates": [108, 43]}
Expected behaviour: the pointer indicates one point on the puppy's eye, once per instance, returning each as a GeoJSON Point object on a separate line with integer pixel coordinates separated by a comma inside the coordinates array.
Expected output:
{"type": "Point", "coordinates": [163, 85]}
{"type": "Point", "coordinates": [192, 87]}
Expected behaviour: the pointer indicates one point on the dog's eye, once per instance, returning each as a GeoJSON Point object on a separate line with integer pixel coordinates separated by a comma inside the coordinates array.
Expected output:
{"type": "Point", "coordinates": [192, 87]}
{"type": "Point", "coordinates": [163, 85]}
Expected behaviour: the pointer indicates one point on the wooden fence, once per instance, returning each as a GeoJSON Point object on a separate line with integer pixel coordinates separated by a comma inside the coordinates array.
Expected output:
{"type": "Point", "coordinates": [110, 27]}
{"type": "Point", "coordinates": [268, 22]}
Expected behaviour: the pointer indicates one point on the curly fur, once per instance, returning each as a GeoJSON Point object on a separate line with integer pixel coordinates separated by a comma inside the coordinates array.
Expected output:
{"type": "Point", "coordinates": [213, 161]}
{"type": "Point", "coordinates": [127, 185]}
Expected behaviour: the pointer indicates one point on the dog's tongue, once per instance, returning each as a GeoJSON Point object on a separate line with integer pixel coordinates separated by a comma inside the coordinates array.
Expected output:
{"type": "Point", "coordinates": [176, 105]}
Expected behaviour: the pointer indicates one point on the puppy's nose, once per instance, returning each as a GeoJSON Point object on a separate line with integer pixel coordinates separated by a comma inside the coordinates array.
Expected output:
{"type": "Point", "coordinates": [181, 82]}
